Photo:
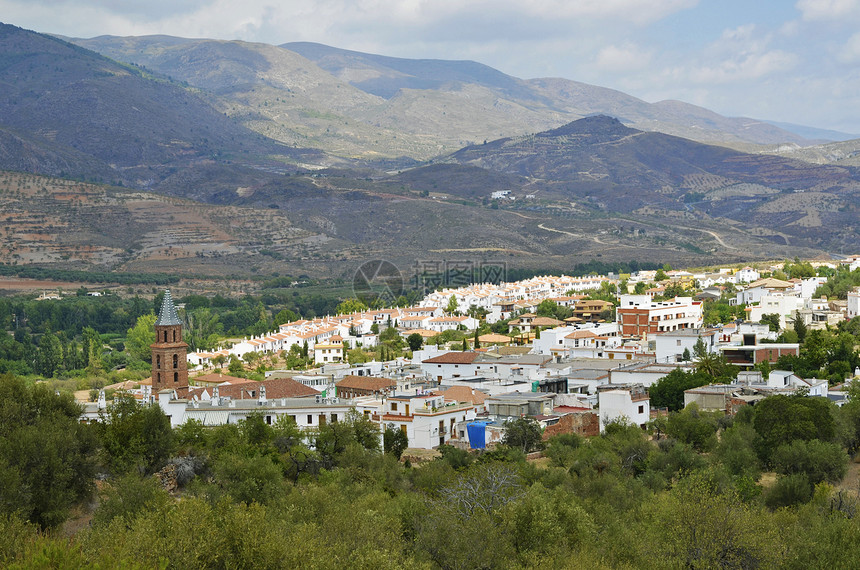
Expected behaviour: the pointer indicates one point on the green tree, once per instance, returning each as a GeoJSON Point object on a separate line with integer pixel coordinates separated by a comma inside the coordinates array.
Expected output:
{"type": "Point", "coordinates": [522, 433]}
{"type": "Point", "coordinates": [135, 437]}
{"type": "Point", "coordinates": [203, 329]}
{"type": "Point", "coordinates": [349, 306]}
{"type": "Point", "coordinates": [49, 357]}
{"type": "Point", "coordinates": [668, 392]}
{"type": "Point", "coordinates": [235, 367]}
{"type": "Point", "coordinates": [771, 320]}
{"type": "Point", "coordinates": [452, 305]}
{"type": "Point", "coordinates": [799, 327]}
{"type": "Point", "coordinates": [394, 441]}
{"type": "Point", "coordinates": [415, 341]}
{"type": "Point", "coordinates": [781, 419]}
{"type": "Point", "coordinates": [820, 461]}
{"type": "Point", "coordinates": [140, 337]}
{"type": "Point", "coordinates": [693, 427]}
{"type": "Point", "coordinates": [47, 457]}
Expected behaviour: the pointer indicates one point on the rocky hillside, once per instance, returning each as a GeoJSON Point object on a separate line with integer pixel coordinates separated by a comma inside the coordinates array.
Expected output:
{"type": "Point", "coordinates": [368, 106]}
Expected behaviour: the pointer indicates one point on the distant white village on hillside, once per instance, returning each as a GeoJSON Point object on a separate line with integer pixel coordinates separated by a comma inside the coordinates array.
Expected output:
{"type": "Point", "coordinates": [571, 376]}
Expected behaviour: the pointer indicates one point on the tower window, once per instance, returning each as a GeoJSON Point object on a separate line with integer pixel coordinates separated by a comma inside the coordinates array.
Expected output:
{"type": "Point", "coordinates": [176, 376]}
{"type": "Point", "coordinates": [176, 361]}
{"type": "Point", "coordinates": [174, 335]}
{"type": "Point", "coordinates": [165, 336]}
{"type": "Point", "coordinates": [158, 361]}
{"type": "Point", "coordinates": [158, 378]}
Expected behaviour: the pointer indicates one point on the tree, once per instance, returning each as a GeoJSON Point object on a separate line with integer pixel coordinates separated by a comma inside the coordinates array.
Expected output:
{"type": "Point", "coordinates": [415, 341]}
{"type": "Point", "coordinates": [140, 337]}
{"type": "Point", "coordinates": [772, 321]}
{"type": "Point", "coordinates": [818, 460]}
{"type": "Point", "coordinates": [452, 305]}
{"type": "Point", "coordinates": [235, 367]}
{"type": "Point", "coordinates": [47, 457]}
{"type": "Point", "coordinates": [349, 306]}
{"type": "Point", "coordinates": [203, 329]}
{"type": "Point", "coordinates": [134, 437]}
{"type": "Point", "coordinates": [477, 343]}
{"type": "Point", "coordinates": [465, 345]}
{"type": "Point", "coordinates": [781, 419]}
{"type": "Point", "coordinates": [522, 433]}
{"type": "Point", "coordinates": [799, 327]}
{"type": "Point", "coordinates": [693, 427]}
{"type": "Point", "coordinates": [660, 276]}
{"type": "Point", "coordinates": [668, 391]}
{"type": "Point", "coordinates": [394, 441]}
{"type": "Point", "coordinates": [685, 356]}
{"type": "Point", "coordinates": [49, 358]}
{"type": "Point", "coordinates": [285, 316]}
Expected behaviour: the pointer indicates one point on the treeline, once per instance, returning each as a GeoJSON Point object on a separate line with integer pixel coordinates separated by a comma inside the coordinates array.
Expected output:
{"type": "Point", "coordinates": [687, 494]}
{"type": "Point", "coordinates": [71, 275]}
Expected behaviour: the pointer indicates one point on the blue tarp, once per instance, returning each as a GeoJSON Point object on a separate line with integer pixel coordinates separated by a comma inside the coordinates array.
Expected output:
{"type": "Point", "coordinates": [477, 434]}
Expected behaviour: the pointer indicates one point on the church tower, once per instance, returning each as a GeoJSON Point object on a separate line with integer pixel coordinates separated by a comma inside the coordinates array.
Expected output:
{"type": "Point", "coordinates": [169, 362]}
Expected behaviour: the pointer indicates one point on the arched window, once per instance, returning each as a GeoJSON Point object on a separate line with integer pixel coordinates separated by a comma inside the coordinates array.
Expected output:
{"type": "Point", "coordinates": [158, 361]}
{"type": "Point", "coordinates": [176, 361]}
{"type": "Point", "coordinates": [165, 336]}
{"type": "Point", "coordinates": [158, 378]}
{"type": "Point", "coordinates": [174, 335]}
{"type": "Point", "coordinates": [176, 376]}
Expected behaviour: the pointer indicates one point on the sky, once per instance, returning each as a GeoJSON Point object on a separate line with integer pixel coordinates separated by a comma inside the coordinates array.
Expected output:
{"type": "Point", "coordinates": [794, 61]}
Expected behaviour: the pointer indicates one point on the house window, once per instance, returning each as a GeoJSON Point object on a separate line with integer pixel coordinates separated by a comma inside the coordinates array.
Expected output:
{"type": "Point", "coordinates": [678, 342]}
{"type": "Point", "coordinates": [310, 420]}
{"type": "Point", "coordinates": [393, 406]}
{"type": "Point", "coordinates": [269, 420]}
{"type": "Point", "coordinates": [641, 409]}
{"type": "Point", "coordinates": [334, 418]}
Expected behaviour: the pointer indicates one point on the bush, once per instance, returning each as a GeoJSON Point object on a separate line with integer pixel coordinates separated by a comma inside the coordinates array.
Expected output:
{"type": "Point", "coordinates": [788, 491]}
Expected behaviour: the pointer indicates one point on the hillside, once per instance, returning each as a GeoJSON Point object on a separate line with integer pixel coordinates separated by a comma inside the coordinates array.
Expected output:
{"type": "Point", "coordinates": [67, 111]}
{"type": "Point", "coordinates": [367, 106]}
{"type": "Point", "coordinates": [603, 163]}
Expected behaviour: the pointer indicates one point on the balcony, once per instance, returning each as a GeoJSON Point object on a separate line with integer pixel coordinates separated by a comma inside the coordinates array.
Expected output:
{"type": "Point", "coordinates": [443, 410]}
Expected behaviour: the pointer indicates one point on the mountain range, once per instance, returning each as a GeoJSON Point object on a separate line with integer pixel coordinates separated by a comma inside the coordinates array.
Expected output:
{"type": "Point", "coordinates": [365, 156]}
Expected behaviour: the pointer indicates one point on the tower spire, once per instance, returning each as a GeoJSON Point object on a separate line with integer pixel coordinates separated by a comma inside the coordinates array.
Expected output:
{"type": "Point", "coordinates": [168, 316]}
{"type": "Point", "coordinates": [169, 352]}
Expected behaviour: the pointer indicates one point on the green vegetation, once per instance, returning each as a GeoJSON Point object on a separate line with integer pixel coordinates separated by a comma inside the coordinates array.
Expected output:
{"type": "Point", "coordinates": [272, 495]}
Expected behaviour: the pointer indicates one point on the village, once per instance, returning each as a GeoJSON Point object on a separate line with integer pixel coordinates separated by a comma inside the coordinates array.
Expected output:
{"type": "Point", "coordinates": [575, 375]}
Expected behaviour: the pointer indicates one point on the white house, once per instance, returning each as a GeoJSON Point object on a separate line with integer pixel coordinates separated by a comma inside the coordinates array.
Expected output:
{"type": "Point", "coordinates": [670, 345]}
{"type": "Point", "coordinates": [630, 402]}
{"type": "Point", "coordinates": [747, 275]}
{"type": "Point", "coordinates": [853, 303]}
{"type": "Point", "coordinates": [427, 420]}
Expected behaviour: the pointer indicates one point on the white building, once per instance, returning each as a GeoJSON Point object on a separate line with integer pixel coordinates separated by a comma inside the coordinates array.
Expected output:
{"type": "Point", "coordinates": [853, 303]}
{"type": "Point", "coordinates": [630, 403]}
{"type": "Point", "coordinates": [427, 420]}
{"type": "Point", "coordinates": [670, 346]}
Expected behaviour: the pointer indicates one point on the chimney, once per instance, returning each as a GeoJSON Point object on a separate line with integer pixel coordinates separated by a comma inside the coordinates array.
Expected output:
{"type": "Point", "coordinates": [262, 399]}
{"type": "Point", "coordinates": [102, 402]}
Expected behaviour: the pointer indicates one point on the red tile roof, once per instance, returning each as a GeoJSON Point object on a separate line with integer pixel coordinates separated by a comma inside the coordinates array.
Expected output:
{"type": "Point", "coordinates": [371, 383]}
{"type": "Point", "coordinates": [453, 358]}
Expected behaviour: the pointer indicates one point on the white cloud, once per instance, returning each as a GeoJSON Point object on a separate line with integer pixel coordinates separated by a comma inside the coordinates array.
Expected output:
{"type": "Point", "coordinates": [745, 68]}
{"type": "Point", "coordinates": [741, 55]}
{"type": "Point", "coordinates": [850, 52]}
{"type": "Point", "coordinates": [827, 9]}
{"type": "Point", "coordinates": [626, 57]}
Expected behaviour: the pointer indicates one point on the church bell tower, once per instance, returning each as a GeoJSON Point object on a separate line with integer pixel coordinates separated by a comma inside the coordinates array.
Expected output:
{"type": "Point", "coordinates": [169, 362]}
